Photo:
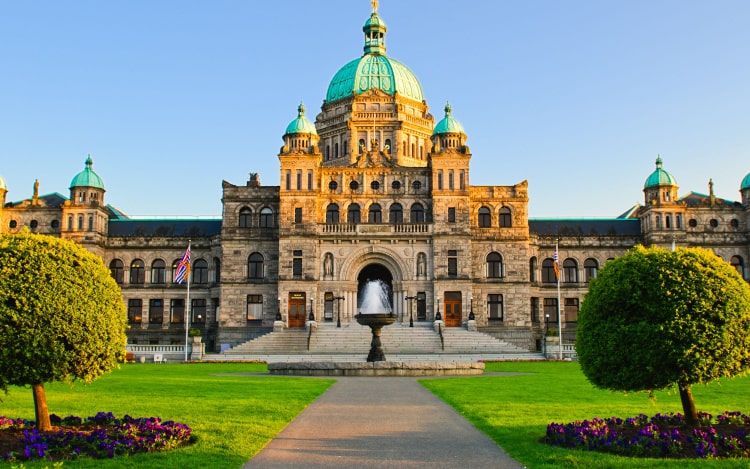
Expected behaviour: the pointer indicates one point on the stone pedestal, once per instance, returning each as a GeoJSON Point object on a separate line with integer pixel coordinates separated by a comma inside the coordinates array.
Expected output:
{"type": "Point", "coordinates": [471, 325]}
{"type": "Point", "coordinates": [279, 326]}
{"type": "Point", "coordinates": [311, 325]}
{"type": "Point", "coordinates": [438, 325]}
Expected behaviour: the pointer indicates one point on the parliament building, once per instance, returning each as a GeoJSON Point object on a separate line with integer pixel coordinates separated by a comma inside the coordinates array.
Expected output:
{"type": "Point", "coordinates": [372, 187]}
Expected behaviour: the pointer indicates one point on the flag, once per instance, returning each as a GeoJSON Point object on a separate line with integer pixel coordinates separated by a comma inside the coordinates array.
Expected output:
{"type": "Point", "coordinates": [556, 265]}
{"type": "Point", "coordinates": [183, 267]}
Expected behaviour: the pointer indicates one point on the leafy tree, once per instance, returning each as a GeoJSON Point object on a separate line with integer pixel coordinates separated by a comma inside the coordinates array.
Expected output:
{"type": "Point", "coordinates": [61, 316]}
{"type": "Point", "coordinates": [656, 319]}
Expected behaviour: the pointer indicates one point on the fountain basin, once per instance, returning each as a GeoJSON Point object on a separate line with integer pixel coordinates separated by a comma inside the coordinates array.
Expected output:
{"type": "Point", "coordinates": [378, 368]}
{"type": "Point", "coordinates": [376, 322]}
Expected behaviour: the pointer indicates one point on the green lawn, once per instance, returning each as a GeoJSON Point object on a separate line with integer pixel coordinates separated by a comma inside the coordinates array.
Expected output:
{"type": "Point", "coordinates": [515, 410]}
{"type": "Point", "coordinates": [232, 416]}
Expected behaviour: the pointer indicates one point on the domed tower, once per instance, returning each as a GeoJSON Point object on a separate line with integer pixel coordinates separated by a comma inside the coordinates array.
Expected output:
{"type": "Point", "coordinates": [374, 103]}
{"type": "Point", "coordinates": [662, 217]}
{"type": "Point", "coordinates": [449, 155]}
{"type": "Point", "coordinates": [300, 136]}
{"type": "Point", "coordinates": [85, 217]}
{"type": "Point", "coordinates": [745, 190]}
{"type": "Point", "coordinates": [660, 187]}
{"type": "Point", "coordinates": [449, 134]}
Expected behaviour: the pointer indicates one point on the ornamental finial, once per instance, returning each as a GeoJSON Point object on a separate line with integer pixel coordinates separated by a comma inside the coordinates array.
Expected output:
{"type": "Point", "coordinates": [374, 5]}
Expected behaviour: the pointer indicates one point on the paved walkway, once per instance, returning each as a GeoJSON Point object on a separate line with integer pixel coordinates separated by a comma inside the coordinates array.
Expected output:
{"type": "Point", "coordinates": [380, 422]}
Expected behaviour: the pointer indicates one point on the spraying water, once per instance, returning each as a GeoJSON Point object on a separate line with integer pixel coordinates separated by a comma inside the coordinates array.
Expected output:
{"type": "Point", "coordinates": [375, 298]}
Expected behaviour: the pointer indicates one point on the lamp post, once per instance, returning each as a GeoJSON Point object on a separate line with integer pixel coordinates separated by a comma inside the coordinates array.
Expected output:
{"type": "Point", "coordinates": [546, 329]}
{"type": "Point", "coordinates": [408, 302]}
{"type": "Point", "coordinates": [338, 306]}
{"type": "Point", "coordinates": [471, 308]}
{"type": "Point", "coordinates": [438, 316]}
{"type": "Point", "coordinates": [278, 310]}
{"type": "Point", "coordinates": [312, 315]}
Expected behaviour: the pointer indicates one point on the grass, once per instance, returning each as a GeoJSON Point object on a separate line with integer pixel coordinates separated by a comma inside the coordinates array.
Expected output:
{"type": "Point", "coordinates": [232, 415]}
{"type": "Point", "coordinates": [514, 411]}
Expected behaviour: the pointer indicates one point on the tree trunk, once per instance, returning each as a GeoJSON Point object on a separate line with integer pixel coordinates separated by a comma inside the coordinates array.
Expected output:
{"type": "Point", "coordinates": [40, 408]}
{"type": "Point", "coordinates": [688, 406]}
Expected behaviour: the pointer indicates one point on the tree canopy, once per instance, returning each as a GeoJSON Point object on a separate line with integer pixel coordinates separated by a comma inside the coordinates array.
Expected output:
{"type": "Point", "coordinates": [656, 318]}
{"type": "Point", "coordinates": [62, 317]}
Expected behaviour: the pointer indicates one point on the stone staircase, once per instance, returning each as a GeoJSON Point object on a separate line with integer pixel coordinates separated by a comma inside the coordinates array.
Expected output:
{"type": "Point", "coordinates": [398, 340]}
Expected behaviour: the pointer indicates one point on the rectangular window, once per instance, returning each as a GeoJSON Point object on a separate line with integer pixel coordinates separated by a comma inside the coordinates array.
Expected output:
{"type": "Point", "coordinates": [328, 306]}
{"type": "Point", "coordinates": [678, 221]}
{"type": "Point", "coordinates": [198, 310]}
{"type": "Point", "coordinates": [297, 264]}
{"type": "Point", "coordinates": [450, 180]}
{"type": "Point", "coordinates": [297, 214]}
{"type": "Point", "coordinates": [550, 311]}
{"type": "Point", "coordinates": [299, 179]}
{"type": "Point", "coordinates": [462, 180]}
{"type": "Point", "coordinates": [534, 306]}
{"type": "Point", "coordinates": [421, 306]}
{"type": "Point", "coordinates": [155, 311]}
{"type": "Point", "coordinates": [288, 180]}
{"type": "Point", "coordinates": [309, 180]}
{"type": "Point", "coordinates": [452, 263]}
{"type": "Point", "coordinates": [495, 307]}
{"type": "Point", "coordinates": [571, 309]}
{"type": "Point", "coordinates": [135, 310]}
{"type": "Point", "coordinates": [451, 214]}
{"type": "Point", "coordinates": [177, 311]}
{"type": "Point", "coordinates": [254, 307]}
{"type": "Point", "coordinates": [440, 179]}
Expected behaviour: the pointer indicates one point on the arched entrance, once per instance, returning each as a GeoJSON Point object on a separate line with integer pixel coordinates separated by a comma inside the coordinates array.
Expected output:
{"type": "Point", "coordinates": [371, 272]}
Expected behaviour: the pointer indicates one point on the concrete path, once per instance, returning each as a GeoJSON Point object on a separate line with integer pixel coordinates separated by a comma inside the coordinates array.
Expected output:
{"type": "Point", "coordinates": [380, 422]}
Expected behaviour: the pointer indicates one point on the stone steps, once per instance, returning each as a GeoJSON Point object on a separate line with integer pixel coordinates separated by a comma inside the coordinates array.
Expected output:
{"type": "Point", "coordinates": [397, 339]}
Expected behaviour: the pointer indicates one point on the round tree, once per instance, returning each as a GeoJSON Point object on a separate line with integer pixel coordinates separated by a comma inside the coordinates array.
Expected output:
{"type": "Point", "coordinates": [656, 319]}
{"type": "Point", "coordinates": [62, 317]}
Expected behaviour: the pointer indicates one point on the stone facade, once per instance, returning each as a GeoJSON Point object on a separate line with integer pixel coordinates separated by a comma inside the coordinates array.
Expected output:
{"type": "Point", "coordinates": [374, 189]}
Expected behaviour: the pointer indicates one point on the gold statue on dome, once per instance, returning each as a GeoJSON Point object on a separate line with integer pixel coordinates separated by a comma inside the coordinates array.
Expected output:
{"type": "Point", "coordinates": [374, 5]}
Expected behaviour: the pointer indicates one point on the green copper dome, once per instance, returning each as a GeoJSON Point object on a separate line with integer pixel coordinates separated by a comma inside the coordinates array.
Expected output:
{"type": "Point", "coordinates": [301, 125]}
{"type": "Point", "coordinates": [374, 70]}
{"type": "Point", "coordinates": [87, 177]}
{"type": "Point", "coordinates": [745, 182]}
{"type": "Point", "coordinates": [659, 177]}
{"type": "Point", "coordinates": [448, 125]}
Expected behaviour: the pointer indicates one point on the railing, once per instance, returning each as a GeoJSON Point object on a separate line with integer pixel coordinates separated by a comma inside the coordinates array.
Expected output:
{"type": "Point", "coordinates": [442, 338]}
{"type": "Point", "coordinates": [375, 228]}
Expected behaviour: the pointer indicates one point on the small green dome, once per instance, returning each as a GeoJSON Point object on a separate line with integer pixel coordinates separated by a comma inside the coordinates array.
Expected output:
{"type": "Point", "coordinates": [87, 177]}
{"type": "Point", "coordinates": [301, 125]}
{"type": "Point", "coordinates": [659, 177]}
{"type": "Point", "coordinates": [745, 182]}
{"type": "Point", "coordinates": [374, 70]}
{"type": "Point", "coordinates": [448, 125]}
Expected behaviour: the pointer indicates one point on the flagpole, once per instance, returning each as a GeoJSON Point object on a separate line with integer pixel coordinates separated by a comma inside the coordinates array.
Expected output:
{"type": "Point", "coordinates": [559, 321]}
{"type": "Point", "coordinates": [187, 306]}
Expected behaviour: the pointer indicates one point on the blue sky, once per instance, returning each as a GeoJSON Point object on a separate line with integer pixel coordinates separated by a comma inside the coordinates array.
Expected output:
{"type": "Point", "coordinates": [577, 97]}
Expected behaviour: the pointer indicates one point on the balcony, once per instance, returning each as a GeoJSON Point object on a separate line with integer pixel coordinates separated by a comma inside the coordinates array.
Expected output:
{"type": "Point", "coordinates": [375, 229]}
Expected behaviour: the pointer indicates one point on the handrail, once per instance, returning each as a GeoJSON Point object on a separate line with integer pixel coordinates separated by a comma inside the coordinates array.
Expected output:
{"type": "Point", "coordinates": [309, 337]}
{"type": "Point", "coordinates": [442, 339]}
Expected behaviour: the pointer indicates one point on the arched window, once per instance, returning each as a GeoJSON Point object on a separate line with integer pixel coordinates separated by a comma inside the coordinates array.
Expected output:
{"type": "Point", "coordinates": [532, 269]}
{"type": "Point", "coordinates": [548, 271]}
{"type": "Point", "coordinates": [494, 265]}
{"type": "Point", "coordinates": [590, 266]}
{"type": "Point", "coordinates": [484, 220]}
{"type": "Point", "coordinates": [336, 150]}
{"type": "Point", "coordinates": [387, 146]}
{"type": "Point", "coordinates": [417, 213]}
{"type": "Point", "coordinates": [200, 272]}
{"type": "Point", "coordinates": [396, 214]}
{"type": "Point", "coordinates": [217, 270]}
{"type": "Point", "coordinates": [375, 215]}
{"type": "Point", "coordinates": [362, 145]}
{"type": "Point", "coordinates": [506, 221]}
{"type": "Point", "coordinates": [416, 185]}
{"type": "Point", "coordinates": [158, 272]}
{"type": "Point", "coordinates": [570, 271]}
{"type": "Point", "coordinates": [137, 272]}
{"type": "Point", "coordinates": [117, 269]}
{"type": "Point", "coordinates": [332, 213]}
{"type": "Point", "coordinates": [739, 264]}
{"type": "Point", "coordinates": [255, 265]}
{"type": "Point", "coordinates": [266, 217]}
{"type": "Point", "coordinates": [246, 217]}
{"type": "Point", "coordinates": [353, 214]}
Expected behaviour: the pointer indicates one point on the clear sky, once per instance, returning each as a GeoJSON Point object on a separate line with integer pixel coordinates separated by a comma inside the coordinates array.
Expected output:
{"type": "Point", "coordinates": [577, 97]}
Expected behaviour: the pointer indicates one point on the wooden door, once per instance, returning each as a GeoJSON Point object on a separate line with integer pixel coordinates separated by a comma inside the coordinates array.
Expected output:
{"type": "Point", "coordinates": [452, 309]}
{"type": "Point", "coordinates": [297, 312]}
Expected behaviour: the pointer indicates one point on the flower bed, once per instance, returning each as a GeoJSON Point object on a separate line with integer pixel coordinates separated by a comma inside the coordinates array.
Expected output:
{"type": "Point", "coordinates": [100, 436]}
{"type": "Point", "coordinates": [663, 435]}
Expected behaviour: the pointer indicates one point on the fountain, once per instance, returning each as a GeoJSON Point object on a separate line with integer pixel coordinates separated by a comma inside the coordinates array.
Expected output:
{"type": "Point", "coordinates": [375, 311]}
